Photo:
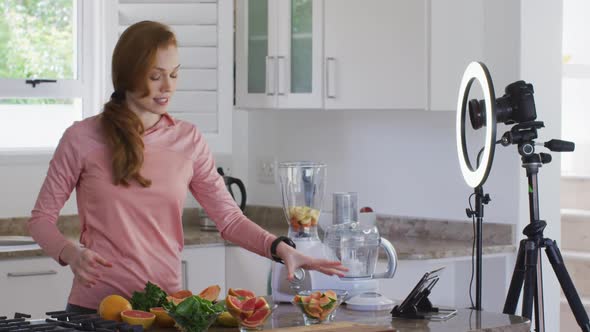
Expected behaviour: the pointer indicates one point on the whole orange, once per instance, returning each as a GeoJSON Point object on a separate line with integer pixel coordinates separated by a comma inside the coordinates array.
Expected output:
{"type": "Point", "coordinates": [111, 307]}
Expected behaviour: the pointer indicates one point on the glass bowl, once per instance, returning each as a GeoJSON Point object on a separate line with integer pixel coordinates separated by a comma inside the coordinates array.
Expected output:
{"type": "Point", "coordinates": [319, 305]}
{"type": "Point", "coordinates": [252, 313]}
{"type": "Point", "coordinates": [194, 314]}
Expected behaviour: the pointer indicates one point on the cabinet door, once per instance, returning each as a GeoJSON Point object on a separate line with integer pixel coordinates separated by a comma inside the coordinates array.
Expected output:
{"type": "Point", "coordinates": [248, 270]}
{"type": "Point", "coordinates": [375, 54]}
{"type": "Point", "coordinates": [463, 31]}
{"type": "Point", "coordinates": [33, 286]}
{"type": "Point", "coordinates": [203, 267]}
{"type": "Point", "coordinates": [456, 40]}
{"type": "Point", "coordinates": [256, 49]}
{"type": "Point", "coordinates": [299, 57]}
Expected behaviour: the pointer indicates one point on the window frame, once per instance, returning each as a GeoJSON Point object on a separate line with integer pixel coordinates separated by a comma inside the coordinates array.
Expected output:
{"type": "Point", "coordinates": [89, 85]}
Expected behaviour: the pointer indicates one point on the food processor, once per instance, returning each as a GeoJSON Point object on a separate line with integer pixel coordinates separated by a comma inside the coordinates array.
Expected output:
{"type": "Point", "coordinates": [357, 247]}
{"type": "Point", "coordinates": [303, 186]}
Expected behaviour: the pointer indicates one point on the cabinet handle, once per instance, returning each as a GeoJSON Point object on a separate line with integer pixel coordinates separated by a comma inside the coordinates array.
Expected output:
{"type": "Point", "coordinates": [184, 274]}
{"type": "Point", "coordinates": [270, 75]}
{"type": "Point", "coordinates": [330, 77]}
{"type": "Point", "coordinates": [30, 274]}
{"type": "Point", "coordinates": [282, 77]}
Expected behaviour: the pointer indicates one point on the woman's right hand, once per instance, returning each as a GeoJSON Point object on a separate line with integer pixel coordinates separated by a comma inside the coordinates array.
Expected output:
{"type": "Point", "coordinates": [85, 264]}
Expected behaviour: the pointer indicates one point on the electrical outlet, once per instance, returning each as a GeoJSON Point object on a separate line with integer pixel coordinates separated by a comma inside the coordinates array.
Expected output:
{"type": "Point", "coordinates": [225, 162]}
{"type": "Point", "coordinates": [266, 170]}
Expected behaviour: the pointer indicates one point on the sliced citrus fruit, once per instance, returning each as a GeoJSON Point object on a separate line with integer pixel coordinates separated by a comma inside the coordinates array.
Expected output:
{"type": "Point", "coordinates": [241, 292]}
{"type": "Point", "coordinates": [162, 317]}
{"type": "Point", "coordinates": [138, 317]}
{"type": "Point", "coordinates": [210, 293]}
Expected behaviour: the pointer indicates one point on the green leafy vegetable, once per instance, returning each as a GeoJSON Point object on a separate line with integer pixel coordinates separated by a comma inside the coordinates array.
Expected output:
{"type": "Point", "coordinates": [194, 314]}
{"type": "Point", "coordinates": [152, 296]}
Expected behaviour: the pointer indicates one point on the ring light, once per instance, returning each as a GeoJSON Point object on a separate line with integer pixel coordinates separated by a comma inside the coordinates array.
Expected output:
{"type": "Point", "coordinates": [476, 71]}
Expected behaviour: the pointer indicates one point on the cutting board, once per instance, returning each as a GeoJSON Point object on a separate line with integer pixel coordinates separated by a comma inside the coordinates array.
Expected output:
{"type": "Point", "coordinates": [335, 327]}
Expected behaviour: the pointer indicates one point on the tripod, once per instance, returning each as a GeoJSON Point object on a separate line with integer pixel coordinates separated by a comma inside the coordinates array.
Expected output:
{"type": "Point", "coordinates": [528, 262]}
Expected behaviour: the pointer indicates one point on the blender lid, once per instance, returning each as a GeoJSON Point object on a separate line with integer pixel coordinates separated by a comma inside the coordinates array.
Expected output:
{"type": "Point", "coordinates": [369, 301]}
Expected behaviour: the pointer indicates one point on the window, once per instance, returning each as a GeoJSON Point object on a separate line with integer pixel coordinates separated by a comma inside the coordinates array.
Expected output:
{"type": "Point", "coordinates": [44, 71]}
{"type": "Point", "coordinates": [575, 85]}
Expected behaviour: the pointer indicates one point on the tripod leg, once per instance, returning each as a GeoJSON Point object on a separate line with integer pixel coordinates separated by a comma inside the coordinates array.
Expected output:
{"type": "Point", "coordinates": [516, 282]}
{"type": "Point", "coordinates": [530, 282]}
{"type": "Point", "coordinates": [567, 285]}
{"type": "Point", "coordinates": [539, 304]}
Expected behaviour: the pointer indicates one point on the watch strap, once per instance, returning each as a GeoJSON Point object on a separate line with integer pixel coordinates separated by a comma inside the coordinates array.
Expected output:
{"type": "Point", "coordinates": [275, 243]}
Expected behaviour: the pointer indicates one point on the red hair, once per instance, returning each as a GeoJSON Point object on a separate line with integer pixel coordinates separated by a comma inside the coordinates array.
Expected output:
{"type": "Point", "coordinates": [133, 57]}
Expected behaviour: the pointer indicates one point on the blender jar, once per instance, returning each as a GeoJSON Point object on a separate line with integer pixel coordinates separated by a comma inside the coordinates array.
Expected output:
{"type": "Point", "coordinates": [302, 187]}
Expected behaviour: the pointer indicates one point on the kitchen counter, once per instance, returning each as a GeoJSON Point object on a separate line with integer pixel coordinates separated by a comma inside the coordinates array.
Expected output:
{"type": "Point", "coordinates": [286, 315]}
{"type": "Point", "coordinates": [408, 248]}
{"type": "Point", "coordinates": [413, 239]}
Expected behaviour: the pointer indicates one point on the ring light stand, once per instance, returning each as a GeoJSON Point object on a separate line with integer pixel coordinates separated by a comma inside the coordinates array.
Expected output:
{"type": "Point", "coordinates": [475, 178]}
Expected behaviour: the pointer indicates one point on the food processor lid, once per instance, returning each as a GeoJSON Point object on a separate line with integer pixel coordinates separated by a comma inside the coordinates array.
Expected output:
{"type": "Point", "coordinates": [369, 301]}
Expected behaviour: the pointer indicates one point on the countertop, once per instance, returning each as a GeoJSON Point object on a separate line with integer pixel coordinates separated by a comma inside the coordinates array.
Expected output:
{"type": "Point", "coordinates": [407, 248]}
{"type": "Point", "coordinates": [286, 315]}
{"type": "Point", "coordinates": [413, 238]}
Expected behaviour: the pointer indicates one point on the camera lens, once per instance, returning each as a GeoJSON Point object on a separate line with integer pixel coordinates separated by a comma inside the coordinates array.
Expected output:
{"type": "Point", "coordinates": [477, 113]}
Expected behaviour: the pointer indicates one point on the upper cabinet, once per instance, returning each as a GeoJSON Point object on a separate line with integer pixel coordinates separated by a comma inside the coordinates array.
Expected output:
{"type": "Point", "coordinates": [375, 51]}
{"type": "Point", "coordinates": [279, 54]}
{"type": "Point", "coordinates": [463, 31]}
{"type": "Point", "coordinates": [370, 54]}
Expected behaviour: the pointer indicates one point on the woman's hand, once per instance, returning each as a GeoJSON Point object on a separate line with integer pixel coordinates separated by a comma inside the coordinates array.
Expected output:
{"type": "Point", "coordinates": [85, 264]}
{"type": "Point", "coordinates": [293, 259]}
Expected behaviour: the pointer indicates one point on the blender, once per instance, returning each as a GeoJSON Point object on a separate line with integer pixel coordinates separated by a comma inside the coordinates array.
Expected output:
{"type": "Point", "coordinates": [303, 185]}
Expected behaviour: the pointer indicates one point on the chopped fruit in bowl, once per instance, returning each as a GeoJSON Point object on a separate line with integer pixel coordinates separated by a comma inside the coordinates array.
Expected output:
{"type": "Point", "coordinates": [250, 312]}
{"type": "Point", "coordinates": [319, 305]}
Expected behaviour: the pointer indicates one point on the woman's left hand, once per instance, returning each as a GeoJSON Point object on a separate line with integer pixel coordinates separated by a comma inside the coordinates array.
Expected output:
{"type": "Point", "coordinates": [294, 259]}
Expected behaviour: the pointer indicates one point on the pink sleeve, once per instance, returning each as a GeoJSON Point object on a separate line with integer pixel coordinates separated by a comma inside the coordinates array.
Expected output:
{"type": "Point", "coordinates": [62, 176]}
{"type": "Point", "coordinates": [208, 187]}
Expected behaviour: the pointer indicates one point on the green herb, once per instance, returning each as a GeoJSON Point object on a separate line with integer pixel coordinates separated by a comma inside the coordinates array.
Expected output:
{"type": "Point", "coordinates": [194, 314]}
{"type": "Point", "coordinates": [152, 296]}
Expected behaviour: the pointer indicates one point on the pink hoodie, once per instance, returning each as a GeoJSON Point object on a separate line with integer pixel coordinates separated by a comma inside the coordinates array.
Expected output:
{"type": "Point", "coordinates": [139, 230]}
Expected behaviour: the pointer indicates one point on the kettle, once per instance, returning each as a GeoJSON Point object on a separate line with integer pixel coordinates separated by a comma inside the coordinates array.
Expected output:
{"type": "Point", "coordinates": [230, 183]}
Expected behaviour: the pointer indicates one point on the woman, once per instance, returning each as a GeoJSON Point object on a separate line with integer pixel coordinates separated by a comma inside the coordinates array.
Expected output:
{"type": "Point", "coordinates": [131, 167]}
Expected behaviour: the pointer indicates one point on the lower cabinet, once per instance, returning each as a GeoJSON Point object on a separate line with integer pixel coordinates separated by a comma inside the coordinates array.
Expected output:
{"type": "Point", "coordinates": [33, 286]}
{"type": "Point", "coordinates": [245, 269]}
{"type": "Point", "coordinates": [203, 267]}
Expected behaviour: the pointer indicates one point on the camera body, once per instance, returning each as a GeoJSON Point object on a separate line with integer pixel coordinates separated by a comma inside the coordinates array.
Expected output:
{"type": "Point", "coordinates": [517, 105]}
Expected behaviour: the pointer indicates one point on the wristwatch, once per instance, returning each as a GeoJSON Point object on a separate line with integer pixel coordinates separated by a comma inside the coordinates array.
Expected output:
{"type": "Point", "coordinates": [275, 243]}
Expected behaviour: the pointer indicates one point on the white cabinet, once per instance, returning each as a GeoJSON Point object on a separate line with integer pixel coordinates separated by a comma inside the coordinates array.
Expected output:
{"type": "Point", "coordinates": [375, 54]}
{"type": "Point", "coordinates": [248, 270]}
{"type": "Point", "coordinates": [462, 31]}
{"type": "Point", "coordinates": [33, 286]}
{"type": "Point", "coordinates": [203, 267]}
{"type": "Point", "coordinates": [279, 54]}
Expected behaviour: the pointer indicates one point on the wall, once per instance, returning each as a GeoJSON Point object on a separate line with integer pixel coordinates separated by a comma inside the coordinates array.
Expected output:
{"type": "Point", "coordinates": [400, 162]}
{"type": "Point", "coordinates": [541, 26]}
